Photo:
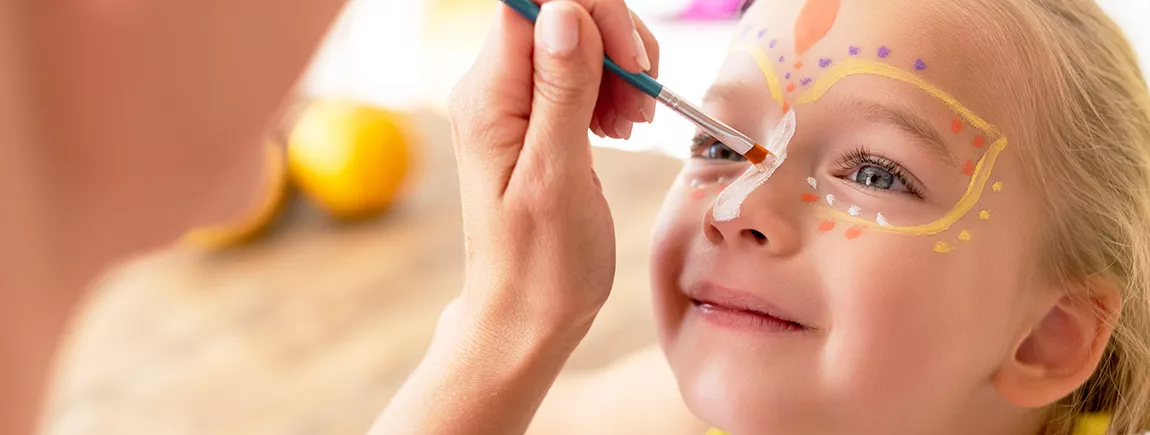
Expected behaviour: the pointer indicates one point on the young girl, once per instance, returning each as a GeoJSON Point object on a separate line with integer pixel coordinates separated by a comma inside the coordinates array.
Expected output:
{"type": "Point", "coordinates": [956, 243]}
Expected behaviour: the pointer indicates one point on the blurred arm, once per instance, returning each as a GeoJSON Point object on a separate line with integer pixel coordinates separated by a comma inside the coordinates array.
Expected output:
{"type": "Point", "coordinates": [119, 121]}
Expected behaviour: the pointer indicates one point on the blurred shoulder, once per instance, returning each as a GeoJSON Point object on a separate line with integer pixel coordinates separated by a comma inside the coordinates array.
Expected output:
{"type": "Point", "coordinates": [635, 395]}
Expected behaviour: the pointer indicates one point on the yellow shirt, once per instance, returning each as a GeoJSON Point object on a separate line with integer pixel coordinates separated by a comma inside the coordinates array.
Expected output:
{"type": "Point", "coordinates": [1092, 424]}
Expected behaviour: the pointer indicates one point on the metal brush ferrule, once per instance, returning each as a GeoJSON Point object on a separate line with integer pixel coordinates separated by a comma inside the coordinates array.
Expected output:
{"type": "Point", "coordinates": [730, 137]}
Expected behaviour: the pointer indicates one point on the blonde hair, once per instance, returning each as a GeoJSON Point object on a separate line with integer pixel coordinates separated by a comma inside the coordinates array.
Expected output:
{"type": "Point", "coordinates": [1087, 144]}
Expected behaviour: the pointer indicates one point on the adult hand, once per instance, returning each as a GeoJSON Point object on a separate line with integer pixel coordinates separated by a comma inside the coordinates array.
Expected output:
{"type": "Point", "coordinates": [540, 243]}
{"type": "Point", "coordinates": [540, 240]}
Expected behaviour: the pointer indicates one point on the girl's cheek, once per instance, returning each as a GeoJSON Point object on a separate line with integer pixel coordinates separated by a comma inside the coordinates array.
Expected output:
{"type": "Point", "coordinates": [705, 189]}
{"type": "Point", "coordinates": [700, 182]}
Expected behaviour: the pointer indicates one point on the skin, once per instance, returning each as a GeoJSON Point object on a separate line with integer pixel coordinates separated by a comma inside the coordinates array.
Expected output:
{"type": "Point", "coordinates": [898, 339]}
{"type": "Point", "coordinates": [124, 123]}
{"type": "Point", "coordinates": [895, 338]}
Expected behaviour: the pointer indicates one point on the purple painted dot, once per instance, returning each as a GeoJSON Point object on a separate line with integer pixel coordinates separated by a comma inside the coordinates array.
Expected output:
{"type": "Point", "coordinates": [745, 30]}
{"type": "Point", "coordinates": [773, 42]}
{"type": "Point", "coordinates": [883, 51]}
{"type": "Point", "coordinates": [805, 81]}
{"type": "Point", "coordinates": [781, 59]}
{"type": "Point", "coordinates": [788, 76]}
{"type": "Point", "coordinates": [761, 32]}
{"type": "Point", "coordinates": [824, 62]}
{"type": "Point", "coordinates": [919, 65]}
{"type": "Point", "coordinates": [853, 50]}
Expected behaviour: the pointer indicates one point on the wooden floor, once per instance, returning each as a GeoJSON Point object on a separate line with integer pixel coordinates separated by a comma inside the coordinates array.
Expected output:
{"type": "Point", "coordinates": [312, 328]}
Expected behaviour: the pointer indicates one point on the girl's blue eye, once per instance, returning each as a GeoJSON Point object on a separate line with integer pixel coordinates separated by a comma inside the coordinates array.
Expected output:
{"type": "Point", "coordinates": [876, 177]}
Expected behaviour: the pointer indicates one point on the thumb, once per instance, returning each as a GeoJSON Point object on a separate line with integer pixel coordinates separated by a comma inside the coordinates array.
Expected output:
{"type": "Point", "coordinates": [568, 62]}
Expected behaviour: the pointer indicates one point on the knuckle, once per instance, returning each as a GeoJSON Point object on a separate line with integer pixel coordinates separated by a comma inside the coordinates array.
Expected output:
{"type": "Point", "coordinates": [459, 100]}
{"type": "Point", "coordinates": [468, 121]}
{"type": "Point", "coordinates": [533, 195]}
{"type": "Point", "coordinates": [569, 88]}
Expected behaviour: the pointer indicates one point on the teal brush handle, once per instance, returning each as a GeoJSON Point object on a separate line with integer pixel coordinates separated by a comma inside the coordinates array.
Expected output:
{"type": "Point", "coordinates": [529, 10]}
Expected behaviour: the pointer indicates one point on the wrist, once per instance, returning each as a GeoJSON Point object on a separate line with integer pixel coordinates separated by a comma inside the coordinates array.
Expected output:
{"type": "Point", "coordinates": [509, 366]}
{"type": "Point", "coordinates": [514, 335]}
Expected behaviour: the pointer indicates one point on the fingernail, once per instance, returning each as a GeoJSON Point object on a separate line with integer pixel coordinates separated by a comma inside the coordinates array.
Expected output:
{"type": "Point", "coordinates": [648, 110]}
{"type": "Point", "coordinates": [597, 131]}
{"type": "Point", "coordinates": [641, 52]}
{"type": "Point", "coordinates": [623, 127]}
{"type": "Point", "coordinates": [559, 28]}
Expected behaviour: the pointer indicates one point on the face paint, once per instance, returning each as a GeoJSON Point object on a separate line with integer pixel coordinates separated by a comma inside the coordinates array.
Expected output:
{"type": "Point", "coordinates": [943, 248]}
{"type": "Point", "coordinates": [978, 168]}
{"type": "Point", "coordinates": [854, 232]}
{"type": "Point", "coordinates": [826, 226]}
{"type": "Point", "coordinates": [730, 203]}
{"type": "Point", "coordinates": [813, 23]}
{"type": "Point", "coordinates": [973, 149]}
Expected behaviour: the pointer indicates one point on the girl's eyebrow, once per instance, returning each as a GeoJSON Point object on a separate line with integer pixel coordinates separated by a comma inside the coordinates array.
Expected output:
{"type": "Point", "coordinates": [904, 120]}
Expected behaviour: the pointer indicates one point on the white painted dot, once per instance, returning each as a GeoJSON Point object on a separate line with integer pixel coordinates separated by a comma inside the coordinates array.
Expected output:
{"type": "Point", "coordinates": [854, 210]}
{"type": "Point", "coordinates": [813, 182]}
{"type": "Point", "coordinates": [830, 199]}
{"type": "Point", "coordinates": [695, 184]}
{"type": "Point", "coordinates": [882, 220]}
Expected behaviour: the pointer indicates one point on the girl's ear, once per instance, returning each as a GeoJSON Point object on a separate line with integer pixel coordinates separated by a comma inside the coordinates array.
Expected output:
{"type": "Point", "coordinates": [1064, 345]}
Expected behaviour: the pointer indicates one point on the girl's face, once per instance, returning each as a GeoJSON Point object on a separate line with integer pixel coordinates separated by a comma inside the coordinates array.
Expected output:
{"type": "Point", "coordinates": [876, 282]}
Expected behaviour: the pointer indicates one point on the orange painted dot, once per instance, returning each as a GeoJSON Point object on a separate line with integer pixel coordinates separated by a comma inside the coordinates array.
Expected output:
{"type": "Point", "coordinates": [979, 142]}
{"type": "Point", "coordinates": [854, 232]}
{"type": "Point", "coordinates": [813, 23]}
{"type": "Point", "coordinates": [786, 106]}
{"type": "Point", "coordinates": [810, 197]}
{"type": "Point", "coordinates": [700, 193]}
{"type": "Point", "coordinates": [790, 87]}
{"type": "Point", "coordinates": [968, 168]}
{"type": "Point", "coordinates": [825, 226]}
{"type": "Point", "coordinates": [956, 125]}
{"type": "Point", "coordinates": [799, 65]}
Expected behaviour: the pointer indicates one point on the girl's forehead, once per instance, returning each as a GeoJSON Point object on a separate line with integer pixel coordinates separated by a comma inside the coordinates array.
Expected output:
{"type": "Point", "coordinates": [936, 42]}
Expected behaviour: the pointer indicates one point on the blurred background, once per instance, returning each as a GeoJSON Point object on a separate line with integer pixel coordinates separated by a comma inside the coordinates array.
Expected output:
{"type": "Point", "coordinates": [306, 318]}
{"type": "Point", "coordinates": [451, 32]}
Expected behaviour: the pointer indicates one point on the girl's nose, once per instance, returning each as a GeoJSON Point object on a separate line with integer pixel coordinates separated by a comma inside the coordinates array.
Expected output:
{"type": "Point", "coordinates": [767, 221]}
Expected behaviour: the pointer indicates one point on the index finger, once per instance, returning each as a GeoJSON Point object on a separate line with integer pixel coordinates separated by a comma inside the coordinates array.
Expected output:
{"type": "Point", "coordinates": [621, 40]}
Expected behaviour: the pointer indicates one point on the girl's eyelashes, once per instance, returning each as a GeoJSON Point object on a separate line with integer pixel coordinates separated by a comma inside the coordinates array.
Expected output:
{"type": "Point", "coordinates": [871, 171]}
{"type": "Point", "coordinates": [703, 146]}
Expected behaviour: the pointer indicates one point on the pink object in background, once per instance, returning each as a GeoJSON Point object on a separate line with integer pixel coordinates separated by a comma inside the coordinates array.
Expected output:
{"type": "Point", "coordinates": [713, 10]}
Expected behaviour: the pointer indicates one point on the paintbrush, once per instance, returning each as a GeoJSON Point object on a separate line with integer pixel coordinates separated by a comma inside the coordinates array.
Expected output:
{"type": "Point", "coordinates": [722, 132]}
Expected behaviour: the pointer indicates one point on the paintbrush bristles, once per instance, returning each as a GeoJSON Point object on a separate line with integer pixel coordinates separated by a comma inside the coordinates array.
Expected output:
{"type": "Point", "coordinates": [756, 154]}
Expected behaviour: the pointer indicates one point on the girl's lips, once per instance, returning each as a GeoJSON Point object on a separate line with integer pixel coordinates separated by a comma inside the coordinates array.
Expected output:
{"type": "Point", "coordinates": [733, 308]}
